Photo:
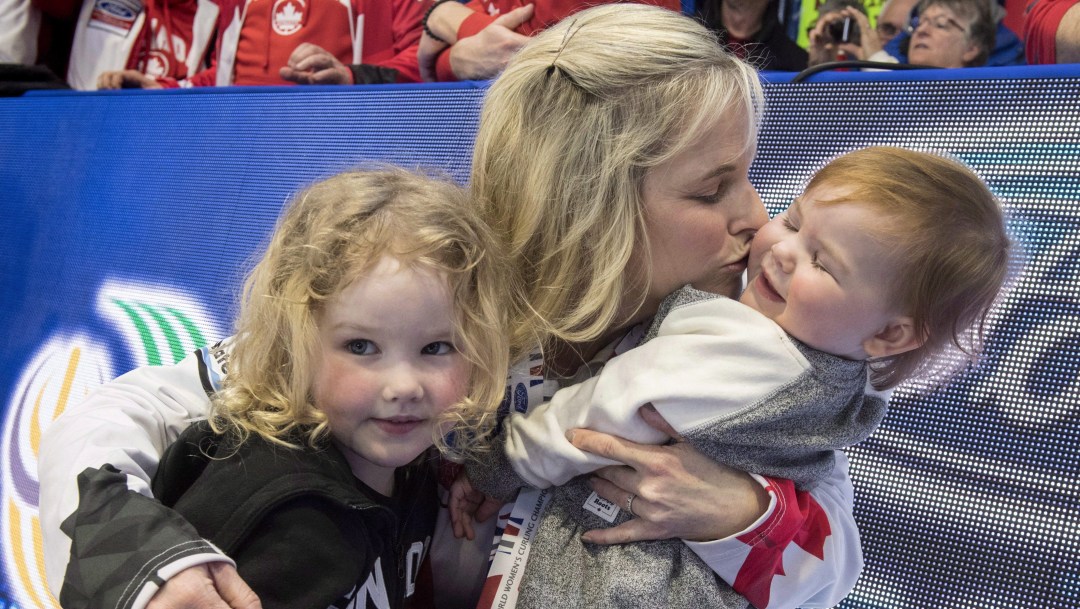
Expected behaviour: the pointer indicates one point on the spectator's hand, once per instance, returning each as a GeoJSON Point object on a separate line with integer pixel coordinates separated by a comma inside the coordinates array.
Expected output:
{"type": "Point", "coordinates": [484, 55]}
{"type": "Point", "coordinates": [822, 49]}
{"type": "Point", "coordinates": [126, 79]}
{"type": "Point", "coordinates": [678, 492]}
{"type": "Point", "coordinates": [310, 64]}
{"type": "Point", "coordinates": [214, 585]}
{"type": "Point", "coordinates": [468, 504]}
{"type": "Point", "coordinates": [869, 41]}
{"type": "Point", "coordinates": [427, 54]}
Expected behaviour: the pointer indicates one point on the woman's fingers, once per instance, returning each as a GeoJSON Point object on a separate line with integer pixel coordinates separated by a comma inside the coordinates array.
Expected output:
{"type": "Point", "coordinates": [619, 449]}
{"type": "Point", "coordinates": [640, 528]}
{"type": "Point", "coordinates": [627, 532]}
{"type": "Point", "coordinates": [614, 482]}
{"type": "Point", "coordinates": [232, 588]}
{"type": "Point", "coordinates": [616, 493]}
{"type": "Point", "coordinates": [611, 447]}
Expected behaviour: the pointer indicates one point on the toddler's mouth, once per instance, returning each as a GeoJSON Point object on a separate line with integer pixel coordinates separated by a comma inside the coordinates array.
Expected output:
{"type": "Point", "coordinates": [398, 426]}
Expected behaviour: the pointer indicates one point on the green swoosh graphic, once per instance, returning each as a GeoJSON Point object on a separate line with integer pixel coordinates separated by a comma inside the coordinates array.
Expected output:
{"type": "Point", "coordinates": [153, 356]}
{"type": "Point", "coordinates": [166, 328]}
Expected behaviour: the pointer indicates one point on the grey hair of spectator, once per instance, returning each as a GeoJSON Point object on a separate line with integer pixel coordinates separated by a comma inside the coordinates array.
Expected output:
{"type": "Point", "coordinates": [982, 26]}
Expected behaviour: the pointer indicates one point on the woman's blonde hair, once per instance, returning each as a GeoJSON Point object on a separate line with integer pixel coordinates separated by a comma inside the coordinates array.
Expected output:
{"type": "Point", "coordinates": [947, 235]}
{"type": "Point", "coordinates": [331, 234]}
{"type": "Point", "coordinates": [567, 135]}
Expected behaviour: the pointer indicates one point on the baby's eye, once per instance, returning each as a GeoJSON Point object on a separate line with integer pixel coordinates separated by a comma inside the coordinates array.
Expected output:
{"type": "Point", "coordinates": [814, 262]}
{"type": "Point", "coordinates": [361, 346]}
{"type": "Point", "coordinates": [438, 348]}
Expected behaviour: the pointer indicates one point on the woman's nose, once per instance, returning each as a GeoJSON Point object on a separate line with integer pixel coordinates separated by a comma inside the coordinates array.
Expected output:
{"type": "Point", "coordinates": [749, 215]}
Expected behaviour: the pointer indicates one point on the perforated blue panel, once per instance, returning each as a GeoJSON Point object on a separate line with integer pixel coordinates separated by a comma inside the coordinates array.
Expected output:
{"type": "Point", "coordinates": [968, 496]}
{"type": "Point", "coordinates": [128, 219]}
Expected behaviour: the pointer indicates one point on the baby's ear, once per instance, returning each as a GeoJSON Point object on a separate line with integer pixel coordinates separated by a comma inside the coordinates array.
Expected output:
{"type": "Point", "coordinates": [898, 336]}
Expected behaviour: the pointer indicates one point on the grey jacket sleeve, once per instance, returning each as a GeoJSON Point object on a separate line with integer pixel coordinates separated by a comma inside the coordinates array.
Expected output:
{"type": "Point", "coordinates": [124, 546]}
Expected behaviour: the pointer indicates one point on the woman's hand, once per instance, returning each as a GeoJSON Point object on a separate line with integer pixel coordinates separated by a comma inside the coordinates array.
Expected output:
{"type": "Point", "coordinates": [215, 585]}
{"type": "Point", "coordinates": [678, 492]}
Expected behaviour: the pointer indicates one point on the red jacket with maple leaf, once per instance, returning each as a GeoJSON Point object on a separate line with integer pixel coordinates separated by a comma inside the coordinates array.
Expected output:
{"type": "Point", "coordinates": [256, 38]}
{"type": "Point", "coordinates": [160, 38]}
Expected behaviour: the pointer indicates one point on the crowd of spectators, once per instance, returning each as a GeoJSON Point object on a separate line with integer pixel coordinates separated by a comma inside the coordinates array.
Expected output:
{"type": "Point", "coordinates": [941, 34]}
{"type": "Point", "coordinates": [109, 44]}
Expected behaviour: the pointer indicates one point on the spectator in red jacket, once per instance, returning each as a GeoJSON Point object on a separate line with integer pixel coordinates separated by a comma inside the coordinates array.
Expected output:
{"type": "Point", "coordinates": [166, 39]}
{"type": "Point", "coordinates": [276, 42]}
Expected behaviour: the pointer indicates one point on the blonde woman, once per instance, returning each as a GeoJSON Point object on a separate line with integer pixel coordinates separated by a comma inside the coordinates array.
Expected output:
{"type": "Point", "coordinates": [612, 156]}
{"type": "Point", "coordinates": [774, 382]}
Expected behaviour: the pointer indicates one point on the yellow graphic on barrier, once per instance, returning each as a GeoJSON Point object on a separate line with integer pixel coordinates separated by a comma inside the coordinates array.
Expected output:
{"type": "Point", "coordinates": [64, 370]}
{"type": "Point", "coordinates": [158, 326]}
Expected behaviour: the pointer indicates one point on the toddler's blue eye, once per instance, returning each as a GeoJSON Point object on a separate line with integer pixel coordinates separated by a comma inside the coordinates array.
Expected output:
{"type": "Point", "coordinates": [438, 348]}
{"type": "Point", "coordinates": [361, 346]}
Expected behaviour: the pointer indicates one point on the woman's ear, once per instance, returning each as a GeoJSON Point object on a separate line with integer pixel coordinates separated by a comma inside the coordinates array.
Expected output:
{"type": "Point", "coordinates": [971, 53]}
{"type": "Point", "coordinates": [898, 336]}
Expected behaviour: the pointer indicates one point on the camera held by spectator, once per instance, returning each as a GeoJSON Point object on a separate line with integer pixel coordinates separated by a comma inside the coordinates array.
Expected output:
{"type": "Point", "coordinates": [843, 30]}
{"type": "Point", "coordinates": [839, 32]}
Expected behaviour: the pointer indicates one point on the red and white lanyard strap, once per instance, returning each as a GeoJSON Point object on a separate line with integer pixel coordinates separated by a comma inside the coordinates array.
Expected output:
{"type": "Point", "coordinates": [515, 532]}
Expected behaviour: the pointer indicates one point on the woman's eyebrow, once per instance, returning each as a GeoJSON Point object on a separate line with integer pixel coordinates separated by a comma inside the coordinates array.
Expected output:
{"type": "Point", "coordinates": [718, 171]}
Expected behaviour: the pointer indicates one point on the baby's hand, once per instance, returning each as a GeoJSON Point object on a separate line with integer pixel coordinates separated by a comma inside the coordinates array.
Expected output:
{"type": "Point", "coordinates": [468, 504]}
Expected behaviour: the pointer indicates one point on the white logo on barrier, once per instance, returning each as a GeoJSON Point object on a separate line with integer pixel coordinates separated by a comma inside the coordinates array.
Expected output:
{"type": "Point", "coordinates": [1040, 397]}
{"type": "Point", "coordinates": [62, 372]}
{"type": "Point", "coordinates": [159, 326]}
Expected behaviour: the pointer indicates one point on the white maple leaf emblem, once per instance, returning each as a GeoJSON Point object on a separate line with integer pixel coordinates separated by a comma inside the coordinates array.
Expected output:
{"type": "Point", "coordinates": [287, 20]}
{"type": "Point", "coordinates": [155, 67]}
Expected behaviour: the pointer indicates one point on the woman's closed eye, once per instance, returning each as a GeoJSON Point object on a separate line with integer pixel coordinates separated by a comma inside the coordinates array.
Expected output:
{"type": "Point", "coordinates": [361, 346]}
{"type": "Point", "coordinates": [714, 197]}
{"type": "Point", "coordinates": [440, 347]}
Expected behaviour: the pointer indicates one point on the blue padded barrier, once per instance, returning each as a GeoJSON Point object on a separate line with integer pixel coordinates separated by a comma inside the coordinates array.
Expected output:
{"type": "Point", "coordinates": [129, 218]}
